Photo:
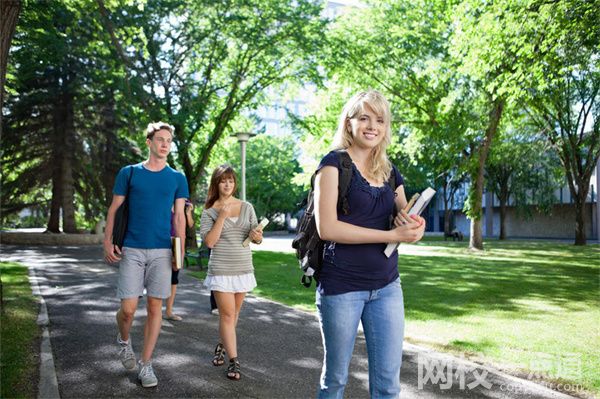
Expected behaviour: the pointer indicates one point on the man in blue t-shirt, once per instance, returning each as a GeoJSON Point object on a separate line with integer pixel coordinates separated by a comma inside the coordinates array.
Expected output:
{"type": "Point", "coordinates": [145, 260]}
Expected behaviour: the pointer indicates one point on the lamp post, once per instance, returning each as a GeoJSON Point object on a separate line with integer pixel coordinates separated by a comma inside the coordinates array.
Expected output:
{"type": "Point", "coordinates": [242, 138]}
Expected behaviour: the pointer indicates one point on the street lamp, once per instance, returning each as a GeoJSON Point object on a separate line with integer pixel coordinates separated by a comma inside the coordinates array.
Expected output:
{"type": "Point", "coordinates": [242, 138]}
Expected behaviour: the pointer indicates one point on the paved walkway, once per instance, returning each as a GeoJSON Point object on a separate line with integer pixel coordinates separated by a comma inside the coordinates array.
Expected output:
{"type": "Point", "coordinates": [279, 347]}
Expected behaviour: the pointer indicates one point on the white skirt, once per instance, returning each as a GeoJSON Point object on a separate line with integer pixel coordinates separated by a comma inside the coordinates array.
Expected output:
{"type": "Point", "coordinates": [241, 283]}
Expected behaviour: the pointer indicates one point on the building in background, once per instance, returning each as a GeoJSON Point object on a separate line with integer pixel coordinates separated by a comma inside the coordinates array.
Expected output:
{"type": "Point", "coordinates": [559, 224]}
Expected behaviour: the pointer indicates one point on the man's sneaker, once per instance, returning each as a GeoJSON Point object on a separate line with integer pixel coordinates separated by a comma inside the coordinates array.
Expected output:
{"type": "Point", "coordinates": [215, 311]}
{"type": "Point", "coordinates": [146, 374]}
{"type": "Point", "coordinates": [126, 353]}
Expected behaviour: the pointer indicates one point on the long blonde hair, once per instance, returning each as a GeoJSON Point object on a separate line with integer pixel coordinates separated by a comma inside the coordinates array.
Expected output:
{"type": "Point", "coordinates": [380, 166]}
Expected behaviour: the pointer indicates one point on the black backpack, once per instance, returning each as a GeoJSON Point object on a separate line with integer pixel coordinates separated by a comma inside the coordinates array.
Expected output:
{"type": "Point", "coordinates": [307, 243]}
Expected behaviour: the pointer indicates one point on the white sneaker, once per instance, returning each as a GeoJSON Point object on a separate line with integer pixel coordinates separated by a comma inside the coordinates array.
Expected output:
{"type": "Point", "coordinates": [215, 311]}
{"type": "Point", "coordinates": [146, 374]}
{"type": "Point", "coordinates": [126, 353]}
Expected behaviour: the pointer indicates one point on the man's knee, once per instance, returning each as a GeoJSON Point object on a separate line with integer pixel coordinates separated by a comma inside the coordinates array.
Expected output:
{"type": "Point", "coordinates": [127, 313]}
{"type": "Point", "coordinates": [154, 306]}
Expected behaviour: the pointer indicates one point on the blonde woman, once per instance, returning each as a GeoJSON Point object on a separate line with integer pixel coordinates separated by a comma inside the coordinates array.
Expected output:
{"type": "Point", "coordinates": [225, 223]}
{"type": "Point", "coordinates": [357, 281]}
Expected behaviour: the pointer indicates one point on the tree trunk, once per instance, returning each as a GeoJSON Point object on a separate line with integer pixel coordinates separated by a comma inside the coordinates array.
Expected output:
{"type": "Point", "coordinates": [9, 15]}
{"type": "Point", "coordinates": [63, 190]}
{"type": "Point", "coordinates": [447, 222]}
{"type": "Point", "coordinates": [579, 199]}
{"type": "Point", "coordinates": [502, 219]}
{"type": "Point", "coordinates": [54, 220]}
{"type": "Point", "coordinates": [109, 169]}
{"type": "Point", "coordinates": [68, 186]}
{"type": "Point", "coordinates": [476, 238]}
{"type": "Point", "coordinates": [56, 201]}
{"type": "Point", "coordinates": [476, 231]}
{"type": "Point", "coordinates": [580, 238]}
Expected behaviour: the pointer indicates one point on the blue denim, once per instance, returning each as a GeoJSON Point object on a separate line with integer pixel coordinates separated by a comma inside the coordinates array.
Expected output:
{"type": "Point", "coordinates": [382, 314]}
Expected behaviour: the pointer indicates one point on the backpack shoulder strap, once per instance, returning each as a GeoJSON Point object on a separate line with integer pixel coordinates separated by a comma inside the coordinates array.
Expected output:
{"type": "Point", "coordinates": [392, 179]}
{"type": "Point", "coordinates": [344, 184]}
{"type": "Point", "coordinates": [129, 179]}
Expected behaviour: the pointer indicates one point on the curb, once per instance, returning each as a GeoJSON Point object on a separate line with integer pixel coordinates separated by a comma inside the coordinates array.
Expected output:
{"type": "Point", "coordinates": [48, 385]}
{"type": "Point", "coordinates": [20, 238]}
{"type": "Point", "coordinates": [531, 386]}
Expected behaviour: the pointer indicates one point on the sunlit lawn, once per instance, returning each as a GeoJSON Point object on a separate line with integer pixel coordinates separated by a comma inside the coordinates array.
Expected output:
{"type": "Point", "coordinates": [519, 305]}
{"type": "Point", "coordinates": [19, 332]}
{"type": "Point", "coordinates": [523, 305]}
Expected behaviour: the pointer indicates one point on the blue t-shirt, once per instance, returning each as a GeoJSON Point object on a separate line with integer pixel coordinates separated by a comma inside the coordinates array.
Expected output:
{"type": "Point", "coordinates": [360, 267]}
{"type": "Point", "coordinates": [151, 197]}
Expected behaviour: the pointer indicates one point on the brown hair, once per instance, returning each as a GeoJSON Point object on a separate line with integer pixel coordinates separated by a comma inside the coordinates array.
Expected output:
{"type": "Point", "coordinates": [155, 127]}
{"type": "Point", "coordinates": [220, 173]}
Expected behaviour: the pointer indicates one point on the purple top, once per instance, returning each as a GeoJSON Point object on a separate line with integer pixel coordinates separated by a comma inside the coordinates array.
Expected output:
{"type": "Point", "coordinates": [360, 267]}
{"type": "Point", "coordinates": [173, 232]}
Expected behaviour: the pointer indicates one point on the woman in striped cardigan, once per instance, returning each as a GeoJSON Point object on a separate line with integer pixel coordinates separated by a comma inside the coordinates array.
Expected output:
{"type": "Point", "coordinates": [226, 222]}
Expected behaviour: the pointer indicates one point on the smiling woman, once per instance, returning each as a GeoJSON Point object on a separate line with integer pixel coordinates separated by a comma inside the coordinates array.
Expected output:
{"type": "Point", "coordinates": [357, 281]}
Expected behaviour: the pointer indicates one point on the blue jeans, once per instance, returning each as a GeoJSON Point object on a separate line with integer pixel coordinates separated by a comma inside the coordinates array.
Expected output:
{"type": "Point", "coordinates": [382, 315]}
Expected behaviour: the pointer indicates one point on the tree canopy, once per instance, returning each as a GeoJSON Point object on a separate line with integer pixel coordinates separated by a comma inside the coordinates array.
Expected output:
{"type": "Point", "coordinates": [84, 78]}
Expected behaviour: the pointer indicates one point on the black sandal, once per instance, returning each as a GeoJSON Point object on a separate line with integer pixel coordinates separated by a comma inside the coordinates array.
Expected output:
{"type": "Point", "coordinates": [233, 370]}
{"type": "Point", "coordinates": [219, 358]}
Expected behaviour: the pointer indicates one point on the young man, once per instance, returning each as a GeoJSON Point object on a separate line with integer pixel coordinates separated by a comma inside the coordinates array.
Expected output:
{"type": "Point", "coordinates": [145, 259]}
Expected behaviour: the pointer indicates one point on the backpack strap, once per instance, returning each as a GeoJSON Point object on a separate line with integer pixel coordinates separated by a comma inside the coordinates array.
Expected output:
{"type": "Point", "coordinates": [129, 180]}
{"type": "Point", "coordinates": [392, 179]}
{"type": "Point", "coordinates": [344, 184]}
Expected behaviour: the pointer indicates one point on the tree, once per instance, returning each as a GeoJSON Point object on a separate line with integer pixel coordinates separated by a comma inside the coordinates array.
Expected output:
{"type": "Point", "coordinates": [61, 78]}
{"type": "Point", "coordinates": [485, 46]}
{"type": "Point", "coordinates": [42, 111]}
{"type": "Point", "coordinates": [199, 64]}
{"type": "Point", "coordinates": [407, 54]}
{"type": "Point", "coordinates": [9, 15]}
{"type": "Point", "coordinates": [542, 54]}
{"type": "Point", "coordinates": [316, 130]}
{"type": "Point", "coordinates": [271, 167]}
{"type": "Point", "coordinates": [524, 170]}
{"type": "Point", "coordinates": [563, 98]}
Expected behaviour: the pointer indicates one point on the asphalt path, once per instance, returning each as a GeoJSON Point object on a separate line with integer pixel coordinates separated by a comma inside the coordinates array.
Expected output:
{"type": "Point", "coordinates": [279, 347]}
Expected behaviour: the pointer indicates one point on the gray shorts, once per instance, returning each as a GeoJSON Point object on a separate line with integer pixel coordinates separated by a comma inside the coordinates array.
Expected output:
{"type": "Point", "coordinates": [139, 268]}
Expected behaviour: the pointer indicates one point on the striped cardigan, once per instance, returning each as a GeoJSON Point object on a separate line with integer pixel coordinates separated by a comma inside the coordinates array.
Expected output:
{"type": "Point", "coordinates": [228, 257]}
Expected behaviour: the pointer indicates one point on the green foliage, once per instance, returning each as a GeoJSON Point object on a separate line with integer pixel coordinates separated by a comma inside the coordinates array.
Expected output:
{"type": "Point", "coordinates": [525, 170]}
{"type": "Point", "coordinates": [62, 79]}
{"type": "Point", "coordinates": [316, 130]}
{"type": "Point", "coordinates": [271, 168]}
{"type": "Point", "coordinates": [564, 95]}
{"type": "Point", "coordinates": [454, 71]}
{"type": "Point", "coordinates": [406, 55]}
{"type": "Point", "coordinates": [19, 333]}
{"type": "Point", "coordinates": [121, 64]}
{"type": "Point", "coordinates": [200, 64]}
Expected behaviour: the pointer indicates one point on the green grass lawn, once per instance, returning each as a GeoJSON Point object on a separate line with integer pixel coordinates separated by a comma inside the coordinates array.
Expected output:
{"type": "Point", "coordinates": [522, 306]}
{"type": "Point", "coordinates": [525, 306]}
{"type": "Point", "coordinates": [19, 334]}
